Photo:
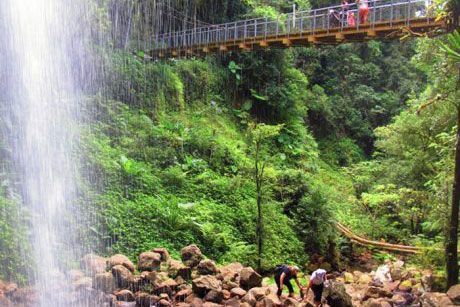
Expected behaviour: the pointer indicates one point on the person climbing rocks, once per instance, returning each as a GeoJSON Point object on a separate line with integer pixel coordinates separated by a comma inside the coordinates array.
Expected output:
{"type": "Point", "coordinates": [283, 275]}
{"type": "Point", "coordinates": [316, 284]}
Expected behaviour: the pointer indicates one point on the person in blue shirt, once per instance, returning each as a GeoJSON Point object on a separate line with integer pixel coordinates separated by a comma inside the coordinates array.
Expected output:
{"type": "Point", "coordinates": [283, 275]}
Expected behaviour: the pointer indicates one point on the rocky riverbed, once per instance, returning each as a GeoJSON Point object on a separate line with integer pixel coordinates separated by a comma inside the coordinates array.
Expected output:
{"type": "Point", "coordinates": [193, 281]}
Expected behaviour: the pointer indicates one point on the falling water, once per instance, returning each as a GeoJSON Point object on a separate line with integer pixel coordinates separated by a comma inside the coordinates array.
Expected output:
{"type": "Point", "coordinates": [46, 72]}
{"type": "Point", "coordinates": [41, 52]}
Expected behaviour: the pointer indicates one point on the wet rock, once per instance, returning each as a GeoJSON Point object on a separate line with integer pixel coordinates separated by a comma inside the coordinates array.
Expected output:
{"type": "Point", "coordinates": [85, 282]}
{"type": "Point", "coordinates": [123, 276]}
{"type": "Point", "coordinates": [125, 304]}
{"type": "Point", "coordinates": [105, 282]}
{"type": "Point", "coordinates": [203, 284]}
{"type": "Point", "coordinates": [125, 295]}
{"type": "Point", "coordinates": [238, 292]}
{"type": "Point", "coordinates": [163, 253]}
{"type": "Point", "coordinates": [164, 303]}
{"type": "Point", "coordinates": [191, 255]}
{"type": "Point", "coordinates": [183, 294]}
{"type": "Point", "coordinates": [177, 268]}
{"type": "Point", "coordinates": [149, 261]}
{"type": "Point", "coordinates": [143, 299]}
{"type": "Point", "coordinates": [250, 278]}
{"type": "Point", "coordinates": [120, 259]}
{"type": "Point", "coordinates": [207, 267]}
{"type": "Point", "coordinates": [336, 295]}
{"type": "Point", "coordinates": [92, 264]}
{"type": "Point", "coordinates": [168, 286]}
{"type": "Point", "coordinates": [215, 296]}
{"type": "Point", "coordinates": [25, 296]}
{"type": "Point", "coordinates": [74, 275]}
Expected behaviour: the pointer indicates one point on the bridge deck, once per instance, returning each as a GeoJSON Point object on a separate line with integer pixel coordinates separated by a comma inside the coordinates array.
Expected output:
{"type": "Point", "coordinates": [387, 19]}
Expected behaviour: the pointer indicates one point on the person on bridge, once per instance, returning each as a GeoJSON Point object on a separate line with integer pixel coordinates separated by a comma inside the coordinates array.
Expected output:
{"type": "Point", "coordinates": [317, 280]}
{"type": "Point", "coordinates": [283, 275]}
{"type": "Point", "coordinates": [363, 10]}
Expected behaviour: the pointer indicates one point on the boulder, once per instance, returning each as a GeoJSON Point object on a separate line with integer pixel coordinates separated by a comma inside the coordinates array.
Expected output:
{"type": "Point", "coordinates": [74, 275]}
{"type": "Point", "coordinates": [259, 292]}
{"type": "Point", "coordinates": [271, 300]}
{"type": "Point", "coordinates": [405, 286]}
{"type": "Point", "coordinates": [427, 280]}
{"type": "Point", "coordinates": [143, 299]}
{"type": "Point", "coordinates": [123, 275]}
{"type": "Point", "coordinates": [348, 278]}
{"type": "Point", "coordinates": [233, 302]}
{"type": "Point", "coordinates": [125, 295]}
{"type": "Point", "coordinates": [211, 304]}
{"type": "Point", "coordinates": [168, 287]}
{"type": "Point", "coordinates": [149, 261]}
{"type": "Point", "coordinates": [105, 282]}
{"type": "Point", "coordinates": [382, 274]}
{"type": "Point", "coordinates": [191, 255]}
{"type": "Point", "coordinates": [164, 303]}
{"type": "Point", "coordinates": [207, 267]}
{"type": "Point", "coordinates": [290, 302]}
{"type": "Point", "coordinates": [364, 279]}
{"type": "Point", "coordinates": [454, 294]}
{"type": "Point", "coordinates": [377, 302]}
{"type": "Point", "coordinates": [250, 278]}
{"type": "Point", "coordinates": [230, 272]}
{"type": "Point", "coordinates": [215, 296]}
{"type": "Point", "coordinates": [120, 259]}
{"type": "Point", "coordinates": [376, 292]}
{"type": "Point", "coordinates": [238, 292]}
{"type": "Point", "coordinates": [92, 264]}
{"type": "Point", "coordinates": [182, 294]}
{"type": "Point", "coordinates": [336, 295]}
{"type": "Point", "coordinates": [85, 282]}
{"type": "Point", "coordinates": [435, 299]}
{"type": "Point", "coordinates": [227, 294]}
{"type": "Point", "coordinates": [402, 299]}
{"type": "Point", "coordinates": [229, 285]}
{"type": "Point", "coordinates": [203, 284]}
{"type": "Point", "coordinates": [177, 268]}
{"type": "Point", "coordinates": [125, 304]}
{"type": "Point", "coordinates": [163, 253]}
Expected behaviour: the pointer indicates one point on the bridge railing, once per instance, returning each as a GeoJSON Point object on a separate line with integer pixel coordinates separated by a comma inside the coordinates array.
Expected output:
{"type": "Point", "coordinates": [300, 23]}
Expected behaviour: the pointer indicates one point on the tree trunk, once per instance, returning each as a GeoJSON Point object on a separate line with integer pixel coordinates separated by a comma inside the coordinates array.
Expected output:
{"type": "Point", "coordinates": [259, 230]}
{"type": "Point", "coordinates": [452, 243]}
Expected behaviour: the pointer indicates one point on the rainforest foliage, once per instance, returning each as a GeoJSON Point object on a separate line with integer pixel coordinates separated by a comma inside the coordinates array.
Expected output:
{"type": "Point", "coordinates": [360, 133]}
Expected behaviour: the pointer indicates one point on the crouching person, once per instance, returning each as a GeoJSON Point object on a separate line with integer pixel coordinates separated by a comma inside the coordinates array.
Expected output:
{"type": "Point", "coordinates": [283, 276]}
{"type": "Point", "coordinates": [316, 284]}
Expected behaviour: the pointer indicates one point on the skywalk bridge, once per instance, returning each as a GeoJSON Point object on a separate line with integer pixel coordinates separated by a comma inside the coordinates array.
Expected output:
{"type": "Point", "coordinates": [387, 19]}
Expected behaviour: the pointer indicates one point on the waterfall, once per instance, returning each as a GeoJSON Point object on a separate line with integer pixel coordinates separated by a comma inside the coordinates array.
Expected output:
{"type": "Point", "coordinates": [42, 53]}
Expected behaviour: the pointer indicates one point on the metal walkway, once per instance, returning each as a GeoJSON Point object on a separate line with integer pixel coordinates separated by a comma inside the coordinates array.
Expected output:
{"type": "Point", "coordinates": [387, 19]}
